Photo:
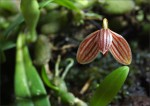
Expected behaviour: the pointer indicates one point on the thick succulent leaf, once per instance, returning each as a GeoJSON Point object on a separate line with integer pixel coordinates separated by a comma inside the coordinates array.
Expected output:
{"type": "Point", "coordinates": [29, 89]}
{"type": "Point", "coordinates": [88, 49]}
{"type": "Point", "coordinates": [109, 87]}
{"type": "Point", "coordinates": [118, 6]}
{"type": "Point", "coordinates": [105, 40]}
{"type": "Point", "coordinates": [120, 49]}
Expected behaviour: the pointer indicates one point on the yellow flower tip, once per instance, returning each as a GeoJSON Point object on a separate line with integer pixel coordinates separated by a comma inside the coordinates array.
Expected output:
{"type": "Point", "coordinates": [128, 62]}
{"type": "Point", "coordinates": [105, 23]}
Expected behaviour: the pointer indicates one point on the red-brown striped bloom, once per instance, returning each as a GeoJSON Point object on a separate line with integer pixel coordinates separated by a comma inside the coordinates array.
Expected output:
{"type": "Point", "coordinates": [104, 40]}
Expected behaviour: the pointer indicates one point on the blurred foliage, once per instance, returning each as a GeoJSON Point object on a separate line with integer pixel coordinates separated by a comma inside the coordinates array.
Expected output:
{"type": "Point", "coordinates": [29, 89]}
{"type": "Point", "coordinates": [31, 17]}
{"type": "Point", "coordinates": [42, 55]}
{"type": "Point", "coordinates": [64, 24]}
{"type": "Point", "coordinates": [8, 5]}
{"type": "Point", "coordinates": [118, 6]}
{"type": "Point", "coordinates": [58, 83]}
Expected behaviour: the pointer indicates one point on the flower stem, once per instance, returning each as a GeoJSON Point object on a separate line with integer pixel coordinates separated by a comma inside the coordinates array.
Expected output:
{"type": "Point", "coordinates": [57, 71]}
{"type": "Point", "coordinates": [68, 67]}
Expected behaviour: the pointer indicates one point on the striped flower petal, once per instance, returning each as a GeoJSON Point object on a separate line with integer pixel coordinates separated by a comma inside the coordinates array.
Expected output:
{"type": "Point", "coordinates": [88, 49]}
{"type": "Point", "coordinates": [120, 49]}
{"type": "Point", "coordinates": [105, 40]}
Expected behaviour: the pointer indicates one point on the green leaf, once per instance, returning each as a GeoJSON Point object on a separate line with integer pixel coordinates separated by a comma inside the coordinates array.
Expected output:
{"type": "Point", "coordinates": [46, 80]}
{"type": "Point", "coordinates": [109, 87]}
{"type": "Point", "coordinates": [13, 25]}
{"type": "Point", "coordinates": [92, 15]}
{"type": "Point", "coordinates": [31, 17]}
{"type": "Point", "coordinates": [29, 89]}
{"type": "Point", "coordinates": [44, 3]}
{"type": "Point", "coordinates": [8, 5]}
{"type": "Point", "coordinates": [6, 44]}
{"type": "Point", "coordinates": [69, 4]}
{"type": "Point", "coordinates": [20, 19]}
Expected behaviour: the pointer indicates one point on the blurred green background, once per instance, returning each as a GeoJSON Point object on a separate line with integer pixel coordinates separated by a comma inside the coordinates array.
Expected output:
{"type": "Point", "coordinates": [64, 26]}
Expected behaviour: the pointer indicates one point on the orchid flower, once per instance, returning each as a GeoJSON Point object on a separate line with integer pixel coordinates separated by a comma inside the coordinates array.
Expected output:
{"type": "Point", "coordinates": [104, 40]}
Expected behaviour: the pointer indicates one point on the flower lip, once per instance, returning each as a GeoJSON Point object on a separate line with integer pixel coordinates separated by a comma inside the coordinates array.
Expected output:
{"type": "Point", "coordinates": [105, 40]}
